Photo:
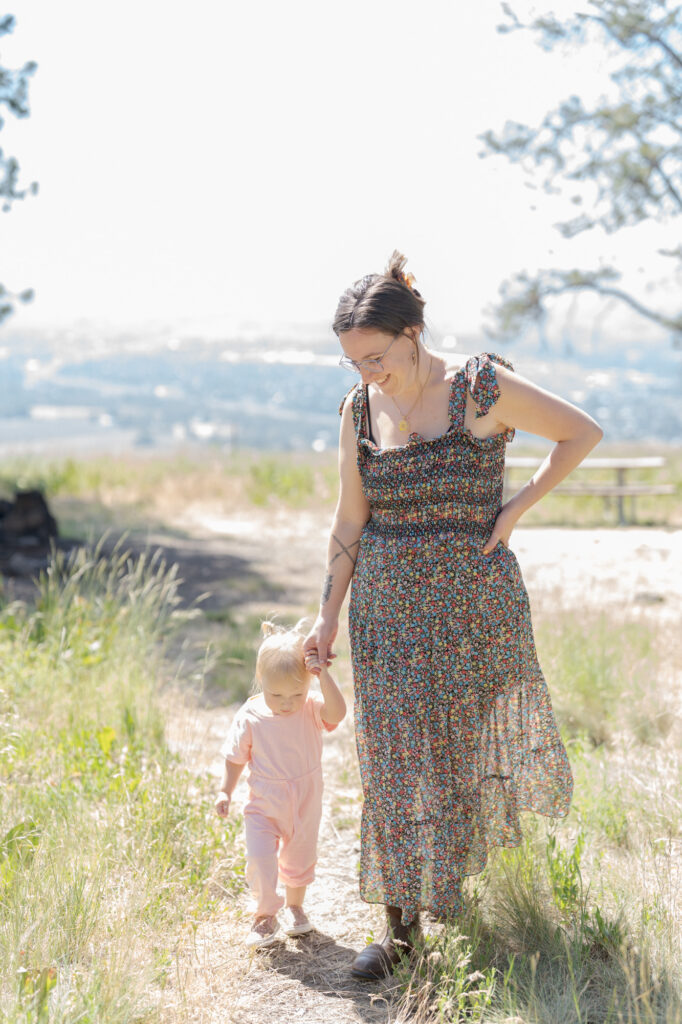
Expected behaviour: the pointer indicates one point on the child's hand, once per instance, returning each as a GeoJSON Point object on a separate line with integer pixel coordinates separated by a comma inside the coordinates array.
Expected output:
{"type": "Point", "coordinates": [222, 805]}
{"type": "Point", "coordinates": [312, 661]}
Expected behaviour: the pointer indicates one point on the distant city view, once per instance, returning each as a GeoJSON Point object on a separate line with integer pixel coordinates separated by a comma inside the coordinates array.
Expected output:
{"type": "Point", "coordinates": [280, 391]}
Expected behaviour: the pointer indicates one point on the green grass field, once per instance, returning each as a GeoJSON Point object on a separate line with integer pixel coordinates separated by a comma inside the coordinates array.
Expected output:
{"type": "Point", "coordinates": [581, 924]}
{"type": "Point", "coordinates": [98, 491]}
{"type": "Point", "coordinates": [592, 511]}
{"type": "Point", "coordinates": [106, 845]}
{"type": "Point", "coordinates": [110, 851]}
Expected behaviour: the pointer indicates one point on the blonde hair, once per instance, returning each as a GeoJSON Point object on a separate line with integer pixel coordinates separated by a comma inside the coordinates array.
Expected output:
{"type": "Point", "coordinates": [281, 652]}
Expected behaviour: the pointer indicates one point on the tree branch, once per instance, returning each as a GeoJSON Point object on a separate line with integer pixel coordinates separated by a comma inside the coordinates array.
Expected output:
{"type": "Point", "coordinates": [672, 191]}
{"type": "Point", "coordinates": [14, 96]}
{"type": "Point", "coordinates": [651, 36]}
{"type": "Point", "coordinates": [524, 297]}
{"type": "Point", "coordinates": [673, 324]}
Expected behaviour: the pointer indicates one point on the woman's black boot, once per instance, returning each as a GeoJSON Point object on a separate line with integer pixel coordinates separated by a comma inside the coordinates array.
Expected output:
{"type": "Point", "coordinates": [379, 958]}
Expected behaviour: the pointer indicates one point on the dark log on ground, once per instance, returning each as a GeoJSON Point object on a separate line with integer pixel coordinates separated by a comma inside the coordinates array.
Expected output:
{"type": "Point", "coordinates": [28, 530]}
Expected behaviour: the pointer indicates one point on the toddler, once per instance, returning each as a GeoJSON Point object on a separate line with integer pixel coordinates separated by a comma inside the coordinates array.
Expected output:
{"type": "Point", "coordinates": [278, 733]}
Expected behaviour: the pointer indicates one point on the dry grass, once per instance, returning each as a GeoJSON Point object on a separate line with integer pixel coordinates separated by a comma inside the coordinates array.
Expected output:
{"type": "Point", "coordinates": [579, 925]}
{"type": "Point", "coordinates": [589, 512]}
{"type": "Point", "coordinates": [151, 487]}
{"type": "Point", "coordinates": [145, 489]}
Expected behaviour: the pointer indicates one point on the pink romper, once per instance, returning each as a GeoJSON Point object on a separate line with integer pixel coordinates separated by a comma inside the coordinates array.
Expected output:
{"type": "Point", "coordinates": [284, 755]}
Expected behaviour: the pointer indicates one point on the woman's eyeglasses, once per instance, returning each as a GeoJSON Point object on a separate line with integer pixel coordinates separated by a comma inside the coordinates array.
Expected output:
{"type": "Point", "coordinates": [368, 365]}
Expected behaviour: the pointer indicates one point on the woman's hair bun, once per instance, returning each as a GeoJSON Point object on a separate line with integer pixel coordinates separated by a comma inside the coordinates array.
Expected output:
{"type": "Point", "coordinates": [396, 270]}
{"type": "Point", "coordinates": [386, 302]}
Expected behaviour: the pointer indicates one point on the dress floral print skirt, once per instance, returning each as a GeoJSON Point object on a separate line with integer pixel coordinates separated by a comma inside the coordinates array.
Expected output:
{"type": "Point", "coordinates": [454, 724]}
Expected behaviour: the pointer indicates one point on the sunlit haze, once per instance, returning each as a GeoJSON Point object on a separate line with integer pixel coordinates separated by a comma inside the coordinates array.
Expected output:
{"type": "Point", "coordinates": [229, 163]}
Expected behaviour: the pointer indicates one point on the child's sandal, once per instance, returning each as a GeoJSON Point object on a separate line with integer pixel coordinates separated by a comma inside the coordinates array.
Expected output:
{"type": "Point", "coordinates": [263, 932]}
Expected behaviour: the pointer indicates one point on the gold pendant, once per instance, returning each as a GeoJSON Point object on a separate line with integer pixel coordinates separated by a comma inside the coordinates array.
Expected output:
{"type": "Point", "coordinates": [402, 426]}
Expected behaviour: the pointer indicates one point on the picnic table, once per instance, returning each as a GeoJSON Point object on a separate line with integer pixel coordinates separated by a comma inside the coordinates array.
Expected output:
{"type": "Point", "coordinates": [619, 489]}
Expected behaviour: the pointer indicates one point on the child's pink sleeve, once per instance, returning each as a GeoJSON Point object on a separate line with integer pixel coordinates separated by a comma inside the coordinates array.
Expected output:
{"type": "Point", "coordinates": [317, 701]}
{"type": "Point", "coordinates": [237, 745]}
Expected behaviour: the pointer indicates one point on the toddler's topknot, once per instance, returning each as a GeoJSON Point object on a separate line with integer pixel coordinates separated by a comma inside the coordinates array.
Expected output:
{"type": "Point", "coordinates": [281, 651]}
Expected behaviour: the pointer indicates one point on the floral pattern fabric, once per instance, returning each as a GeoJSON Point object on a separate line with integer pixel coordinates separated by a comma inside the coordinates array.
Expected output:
{"type": "Point", "coordinates": [454, 724]}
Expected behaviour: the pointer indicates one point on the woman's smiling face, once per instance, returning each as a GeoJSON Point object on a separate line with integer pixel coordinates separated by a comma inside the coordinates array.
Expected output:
{"type": "Point", "coordinates": [396, 353]}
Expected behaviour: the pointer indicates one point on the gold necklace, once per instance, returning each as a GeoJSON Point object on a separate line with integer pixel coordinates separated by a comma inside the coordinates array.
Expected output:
{"type": "Point", "coordinates": [403, 423]}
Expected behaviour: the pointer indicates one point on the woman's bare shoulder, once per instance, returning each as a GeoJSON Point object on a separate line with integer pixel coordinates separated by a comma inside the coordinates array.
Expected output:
{"type": "Point", "coordinates": [346, 405]}
{"type": "Point", "coordinates": [451, 362]}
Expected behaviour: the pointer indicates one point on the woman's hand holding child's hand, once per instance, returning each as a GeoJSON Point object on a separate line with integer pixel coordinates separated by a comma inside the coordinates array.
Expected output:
{"type": "Point", "coordinates": [222, 805]}
{"type": "Point", "coordinates": [321, 639]}
{"type": "Point", "coordinates": [312, 661]}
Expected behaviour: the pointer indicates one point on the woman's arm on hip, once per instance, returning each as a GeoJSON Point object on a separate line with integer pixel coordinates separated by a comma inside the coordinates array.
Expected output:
{"type": "Point", "coordinates": [525, 406]}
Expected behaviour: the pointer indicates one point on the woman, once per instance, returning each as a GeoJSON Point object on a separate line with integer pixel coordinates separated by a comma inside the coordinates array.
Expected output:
{"type": "Point", "coordinates": [455, 730]}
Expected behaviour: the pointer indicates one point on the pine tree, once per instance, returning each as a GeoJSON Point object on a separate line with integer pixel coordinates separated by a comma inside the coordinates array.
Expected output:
{"type": "Point", "coordinates": [14, 97]}
{"type": "Point", "coordinates": [620, 159]}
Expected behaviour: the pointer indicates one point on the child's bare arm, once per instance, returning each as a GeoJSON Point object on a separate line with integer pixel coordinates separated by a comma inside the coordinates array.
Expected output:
{"type": "Point", "coordinates": [333, 710]}
{"type": "Point", "coordinates": [231, 774]}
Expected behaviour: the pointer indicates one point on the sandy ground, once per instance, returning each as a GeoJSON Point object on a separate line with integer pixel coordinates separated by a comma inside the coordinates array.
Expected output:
{"type": "Point", "coordinates": [628, 566]}
{"type": "Point", "coordinates": [274, 559]}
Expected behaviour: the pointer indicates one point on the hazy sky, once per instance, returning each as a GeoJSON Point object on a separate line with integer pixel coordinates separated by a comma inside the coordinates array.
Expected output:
{"type": "Point", "coordinates": [224, 162]}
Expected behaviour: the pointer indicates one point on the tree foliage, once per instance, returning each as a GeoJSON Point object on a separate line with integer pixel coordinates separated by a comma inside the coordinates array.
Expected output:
{"type": "Point", "coordinates": [14, 98]}
{"type": "Point", "coordinates": [620, 159]}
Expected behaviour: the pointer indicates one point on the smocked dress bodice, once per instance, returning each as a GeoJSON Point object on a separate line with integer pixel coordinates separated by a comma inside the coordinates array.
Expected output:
{"type": "Point", "coordinates": [453, 482]}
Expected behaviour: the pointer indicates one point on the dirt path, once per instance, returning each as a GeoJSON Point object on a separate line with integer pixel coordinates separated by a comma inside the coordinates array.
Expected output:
{"type": "Point", "coordinates": [303, 979]}
{"type": "Point", "coordinates": [627, 567]}
{"type": "Point", "coordinates": [278, 557]}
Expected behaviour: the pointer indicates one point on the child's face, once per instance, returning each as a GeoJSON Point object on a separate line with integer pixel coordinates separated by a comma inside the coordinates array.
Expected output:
{"type": "Point", "coordinates": [284, 694]}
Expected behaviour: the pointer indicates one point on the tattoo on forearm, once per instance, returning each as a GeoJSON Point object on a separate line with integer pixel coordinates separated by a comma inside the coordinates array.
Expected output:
{"type": "Point", "coordinates": [327, 587]}
{"type": "Point", "coordinates": [344, 550]}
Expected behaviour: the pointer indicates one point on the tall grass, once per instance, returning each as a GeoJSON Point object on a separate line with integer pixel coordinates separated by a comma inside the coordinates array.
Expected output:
{"type": "Point", "coordinates": [605, 677]}
{"type": "Point", "coordinates": [231, 659]}
{"type": "Point", "coordinates": [536, 947]}
{"type": "Point", "coordinates": [140, 485]}
{"type": "Point", "coordinates": [107, 849]}
{"type": "Point", "coordinates": [582, 924]}
{"type": "Point", "coordinates": [106, 846]}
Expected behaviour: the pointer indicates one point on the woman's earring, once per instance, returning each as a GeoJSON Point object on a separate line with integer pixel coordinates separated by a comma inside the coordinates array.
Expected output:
{"type": "Point", "coordinates": [414, 358]}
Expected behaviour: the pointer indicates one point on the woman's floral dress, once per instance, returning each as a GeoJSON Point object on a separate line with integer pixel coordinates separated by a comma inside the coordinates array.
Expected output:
{"type": "Point", "coordinates": [455, 729]}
